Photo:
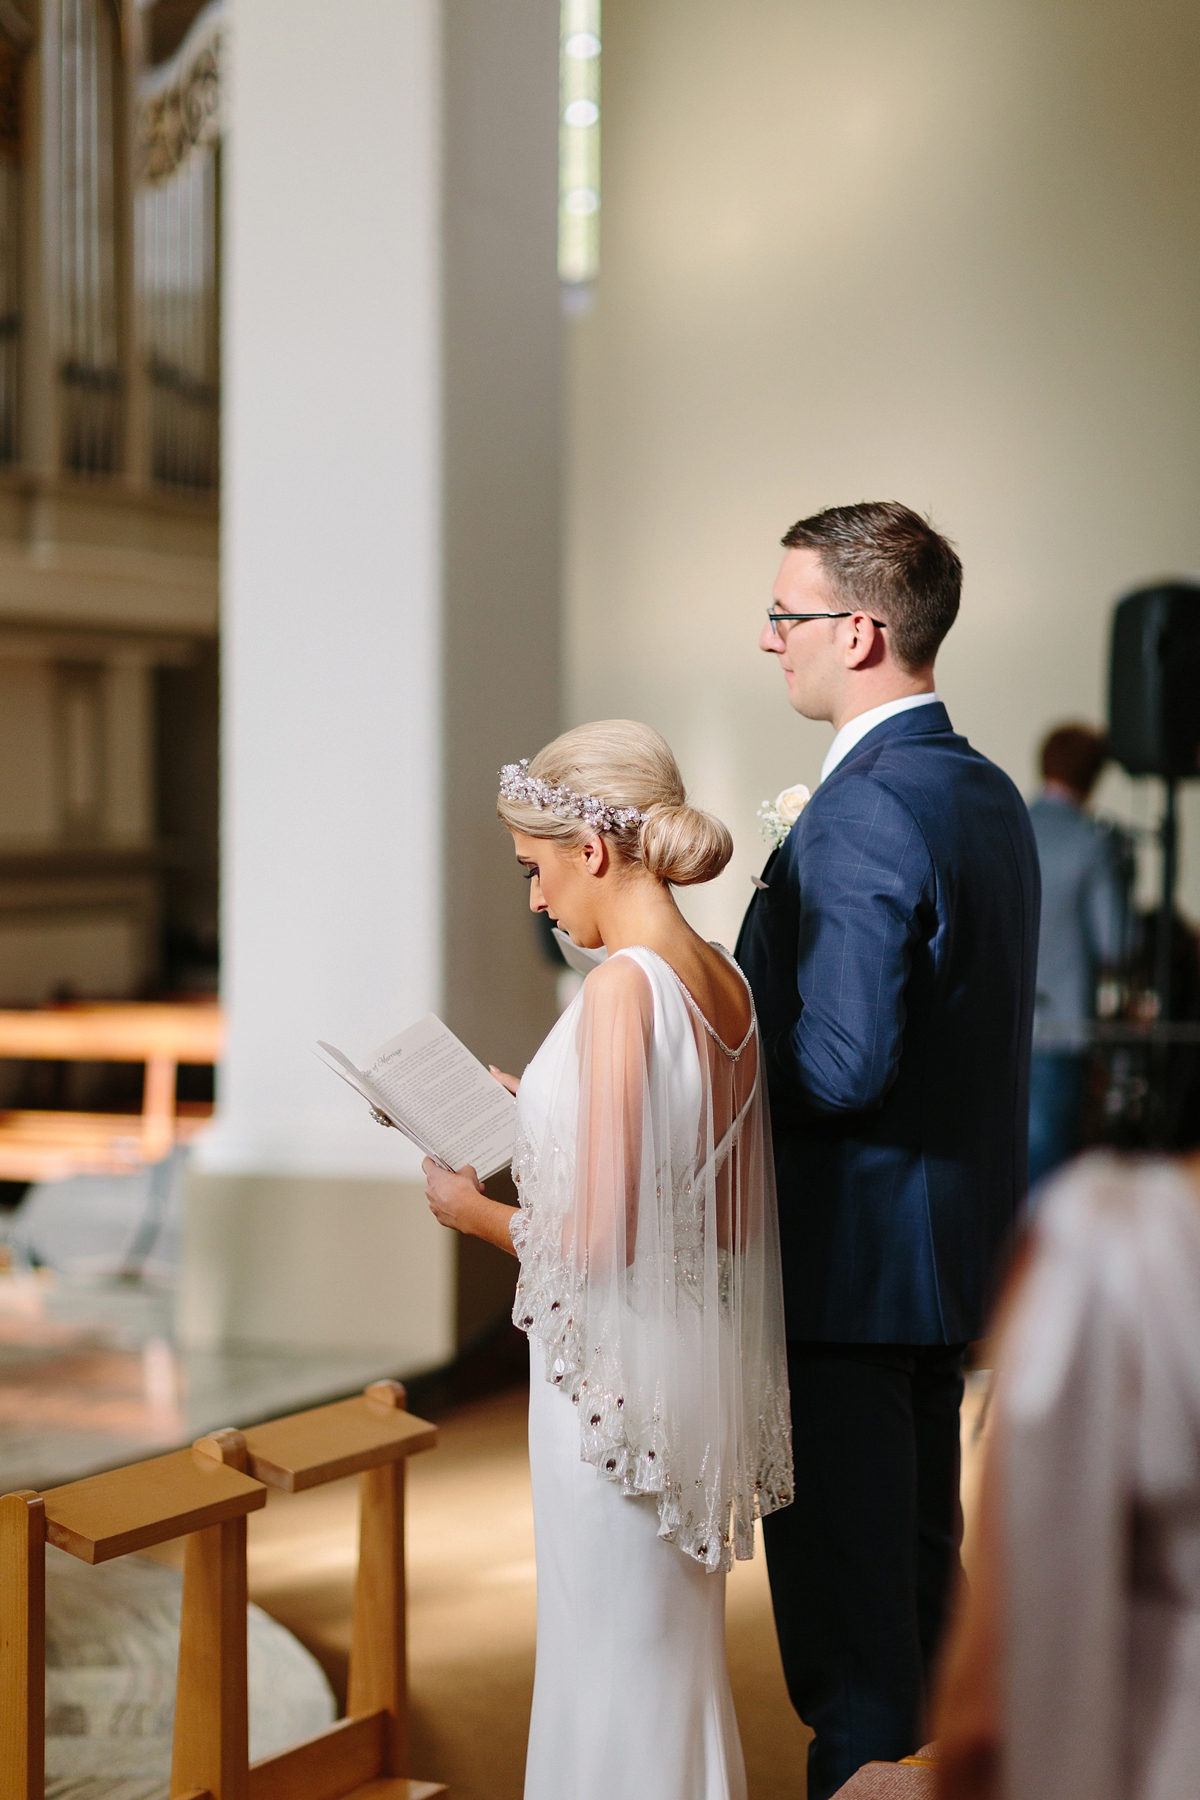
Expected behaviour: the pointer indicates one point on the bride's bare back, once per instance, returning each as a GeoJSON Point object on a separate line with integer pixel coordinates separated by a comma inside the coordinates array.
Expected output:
{"type": "Point", "coordinates": [716, 986]}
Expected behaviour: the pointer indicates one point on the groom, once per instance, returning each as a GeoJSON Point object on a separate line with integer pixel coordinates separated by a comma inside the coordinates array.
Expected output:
{"type": "Point", "coordinates": [891, 951]}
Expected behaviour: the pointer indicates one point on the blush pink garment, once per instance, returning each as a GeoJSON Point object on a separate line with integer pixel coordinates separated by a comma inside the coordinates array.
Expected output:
{"type": "Point", "coordinates": [1098, 1440]}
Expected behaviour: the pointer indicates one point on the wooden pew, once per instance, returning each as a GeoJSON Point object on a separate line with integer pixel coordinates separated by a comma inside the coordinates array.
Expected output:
{"type": "Point", "coordinates": [205, 1495]}
{"type": "Point", "coordinates": [50, 1146]}
{"type": "Point", "coordinates": [111, 1515]}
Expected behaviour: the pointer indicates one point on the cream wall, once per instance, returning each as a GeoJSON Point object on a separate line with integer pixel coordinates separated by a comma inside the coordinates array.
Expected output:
{"type": "Point", "coordinates": [941, 252]}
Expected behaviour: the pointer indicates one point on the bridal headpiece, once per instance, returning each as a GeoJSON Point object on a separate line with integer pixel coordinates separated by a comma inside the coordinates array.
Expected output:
{"type": "Point", "coordinates": [516, 783]}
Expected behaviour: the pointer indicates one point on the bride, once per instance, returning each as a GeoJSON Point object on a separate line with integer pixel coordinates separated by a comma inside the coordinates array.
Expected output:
{"type": "Point", "coordinates": [649, 1285]}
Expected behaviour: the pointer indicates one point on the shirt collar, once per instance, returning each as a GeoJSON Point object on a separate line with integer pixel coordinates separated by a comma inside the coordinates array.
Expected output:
{"type": "Point", "coordinates": [854, 730]}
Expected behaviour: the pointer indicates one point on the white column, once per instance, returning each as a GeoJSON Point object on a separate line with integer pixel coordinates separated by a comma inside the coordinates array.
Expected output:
{"type": "Point", "coordinates": [306, 1221]}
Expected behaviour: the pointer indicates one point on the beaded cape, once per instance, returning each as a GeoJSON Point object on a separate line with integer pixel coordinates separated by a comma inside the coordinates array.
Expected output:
{"type": "Point", "coordinates": [649, 1247]}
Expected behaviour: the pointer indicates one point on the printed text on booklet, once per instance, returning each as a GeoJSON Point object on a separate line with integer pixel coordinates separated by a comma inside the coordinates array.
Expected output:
{"type": "Point", "coordinates": [439, 1095]}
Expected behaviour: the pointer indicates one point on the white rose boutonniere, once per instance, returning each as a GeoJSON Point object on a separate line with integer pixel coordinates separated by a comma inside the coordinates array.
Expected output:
{"type": "Point", "coordinates": [780, 815]}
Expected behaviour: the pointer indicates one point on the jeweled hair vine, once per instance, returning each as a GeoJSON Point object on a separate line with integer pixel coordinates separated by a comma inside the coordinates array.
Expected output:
{"type": "Point", "coordinates": [516, 783]}
{"type": "Point", "coordinates": [619, 778]}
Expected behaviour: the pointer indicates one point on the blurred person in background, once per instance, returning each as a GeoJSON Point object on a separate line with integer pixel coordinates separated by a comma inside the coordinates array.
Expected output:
{"type": "Point", "coordinates": [1082, 929]}
{"type": "Point", "coordinates": [1073, 1668]}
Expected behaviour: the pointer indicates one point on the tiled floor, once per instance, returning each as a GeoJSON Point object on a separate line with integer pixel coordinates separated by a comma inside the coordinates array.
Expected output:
{"type": "Point", "coordinates": [89, 1379]}
{"type": "Point", "coordinates": [89, 1375]}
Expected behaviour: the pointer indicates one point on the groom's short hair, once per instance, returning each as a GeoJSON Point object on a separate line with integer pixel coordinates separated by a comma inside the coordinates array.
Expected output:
{"type": "Point", "coordinates": [888, 560]}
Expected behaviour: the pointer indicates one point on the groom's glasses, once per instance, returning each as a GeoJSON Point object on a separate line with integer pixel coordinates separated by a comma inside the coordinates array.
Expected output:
{"type": "Point", "coordinates": [776, 619]}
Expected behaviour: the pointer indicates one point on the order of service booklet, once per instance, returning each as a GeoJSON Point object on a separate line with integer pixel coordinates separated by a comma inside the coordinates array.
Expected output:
{"type": "Point", "coordinates": [429, 1086]}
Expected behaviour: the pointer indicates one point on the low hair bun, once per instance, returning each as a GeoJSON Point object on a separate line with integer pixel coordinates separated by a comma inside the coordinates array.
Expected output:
{"type": "Point", "coordinates": [621, 778]}
{"type": "Point", "coordinates": [682, 845]}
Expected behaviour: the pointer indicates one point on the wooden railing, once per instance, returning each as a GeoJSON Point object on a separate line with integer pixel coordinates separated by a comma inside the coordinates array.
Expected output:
{"type": "Point", "coordinates": [205, 1495]}
{"type": "Point", "coordinates": [49, 1146]}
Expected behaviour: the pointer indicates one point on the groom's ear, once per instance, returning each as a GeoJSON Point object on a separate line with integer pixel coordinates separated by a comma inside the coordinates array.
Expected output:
{"type": "Point", "coordinates": [866, 645]}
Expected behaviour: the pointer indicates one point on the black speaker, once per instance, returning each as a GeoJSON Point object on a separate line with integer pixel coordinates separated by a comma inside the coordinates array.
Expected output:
{"type": "Point", "coordinates": [1154, 681]}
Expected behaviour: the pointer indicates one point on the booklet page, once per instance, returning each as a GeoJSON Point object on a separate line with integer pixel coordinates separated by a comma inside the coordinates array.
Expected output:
{"type": "Point", "coordinates": [446, 1096]}
{"type": "Point", "coordinates": [385, 1110]}
{"type": "Point", "coordinates": [439, 1095]}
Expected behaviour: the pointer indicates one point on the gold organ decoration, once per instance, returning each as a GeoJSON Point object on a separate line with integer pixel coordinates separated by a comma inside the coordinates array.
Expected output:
{"type": "Point", "coordinates": [181, 113]}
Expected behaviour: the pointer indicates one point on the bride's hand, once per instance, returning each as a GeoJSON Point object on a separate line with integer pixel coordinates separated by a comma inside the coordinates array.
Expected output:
{"type": "Point", "coordinates": [459, 1202]}
{"type": "Point", "coordinates": [453, 1199]}
{"type": "Point", "coordinates": [511, 1082]}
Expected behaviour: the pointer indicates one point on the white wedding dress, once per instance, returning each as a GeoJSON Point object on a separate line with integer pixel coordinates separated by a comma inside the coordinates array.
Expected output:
{"type": "Point", "coordinates": [658, 1419]}
{"type": "Point", "coordinates": [1098, 1440]}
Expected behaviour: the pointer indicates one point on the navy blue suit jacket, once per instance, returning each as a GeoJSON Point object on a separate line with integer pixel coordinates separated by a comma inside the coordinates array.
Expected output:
{"type": "Point", "coordinates": [892, 957]}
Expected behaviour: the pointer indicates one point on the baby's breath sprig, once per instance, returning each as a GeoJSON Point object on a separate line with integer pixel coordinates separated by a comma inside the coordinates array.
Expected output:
{"type": "Point", "coordinates": [779, 815]}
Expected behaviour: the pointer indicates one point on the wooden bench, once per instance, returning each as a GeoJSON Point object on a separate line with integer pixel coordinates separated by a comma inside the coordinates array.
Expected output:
{"type": "Point", "coordinates": [50, 1146]}
{"type": "Point", "coordinates": [205, 1495]}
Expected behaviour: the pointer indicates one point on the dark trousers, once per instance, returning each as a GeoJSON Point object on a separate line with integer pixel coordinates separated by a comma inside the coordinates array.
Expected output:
{"type": "Point", "coordinates": [1057, 1090]}
{"type": "Point", "coordinates": [863, 1562]}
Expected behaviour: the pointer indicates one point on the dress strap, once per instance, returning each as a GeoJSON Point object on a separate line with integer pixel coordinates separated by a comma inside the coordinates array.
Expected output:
{"type": "Point", "coordinates": [711, 1029]}
{"type": "Point", "coordinates": [723, 1148]}
{"type": "Point", "coordinates": [685, 990]}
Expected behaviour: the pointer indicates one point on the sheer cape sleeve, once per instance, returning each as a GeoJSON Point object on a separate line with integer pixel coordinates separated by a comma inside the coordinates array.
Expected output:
{"type": "Point", "coordinates": [649, 1250]}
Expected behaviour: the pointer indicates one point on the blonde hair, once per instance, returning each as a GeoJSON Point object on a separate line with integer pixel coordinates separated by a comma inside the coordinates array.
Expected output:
{"type": "Point", "coordinates": [625, 765]}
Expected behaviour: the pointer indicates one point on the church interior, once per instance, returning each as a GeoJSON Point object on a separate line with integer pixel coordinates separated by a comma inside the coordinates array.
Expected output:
{"type": "Point", "coordinates": [384, 389]}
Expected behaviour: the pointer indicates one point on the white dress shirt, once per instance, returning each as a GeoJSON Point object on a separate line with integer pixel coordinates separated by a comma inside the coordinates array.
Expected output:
{"type": "Point", "coordinates": [857, 728]}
